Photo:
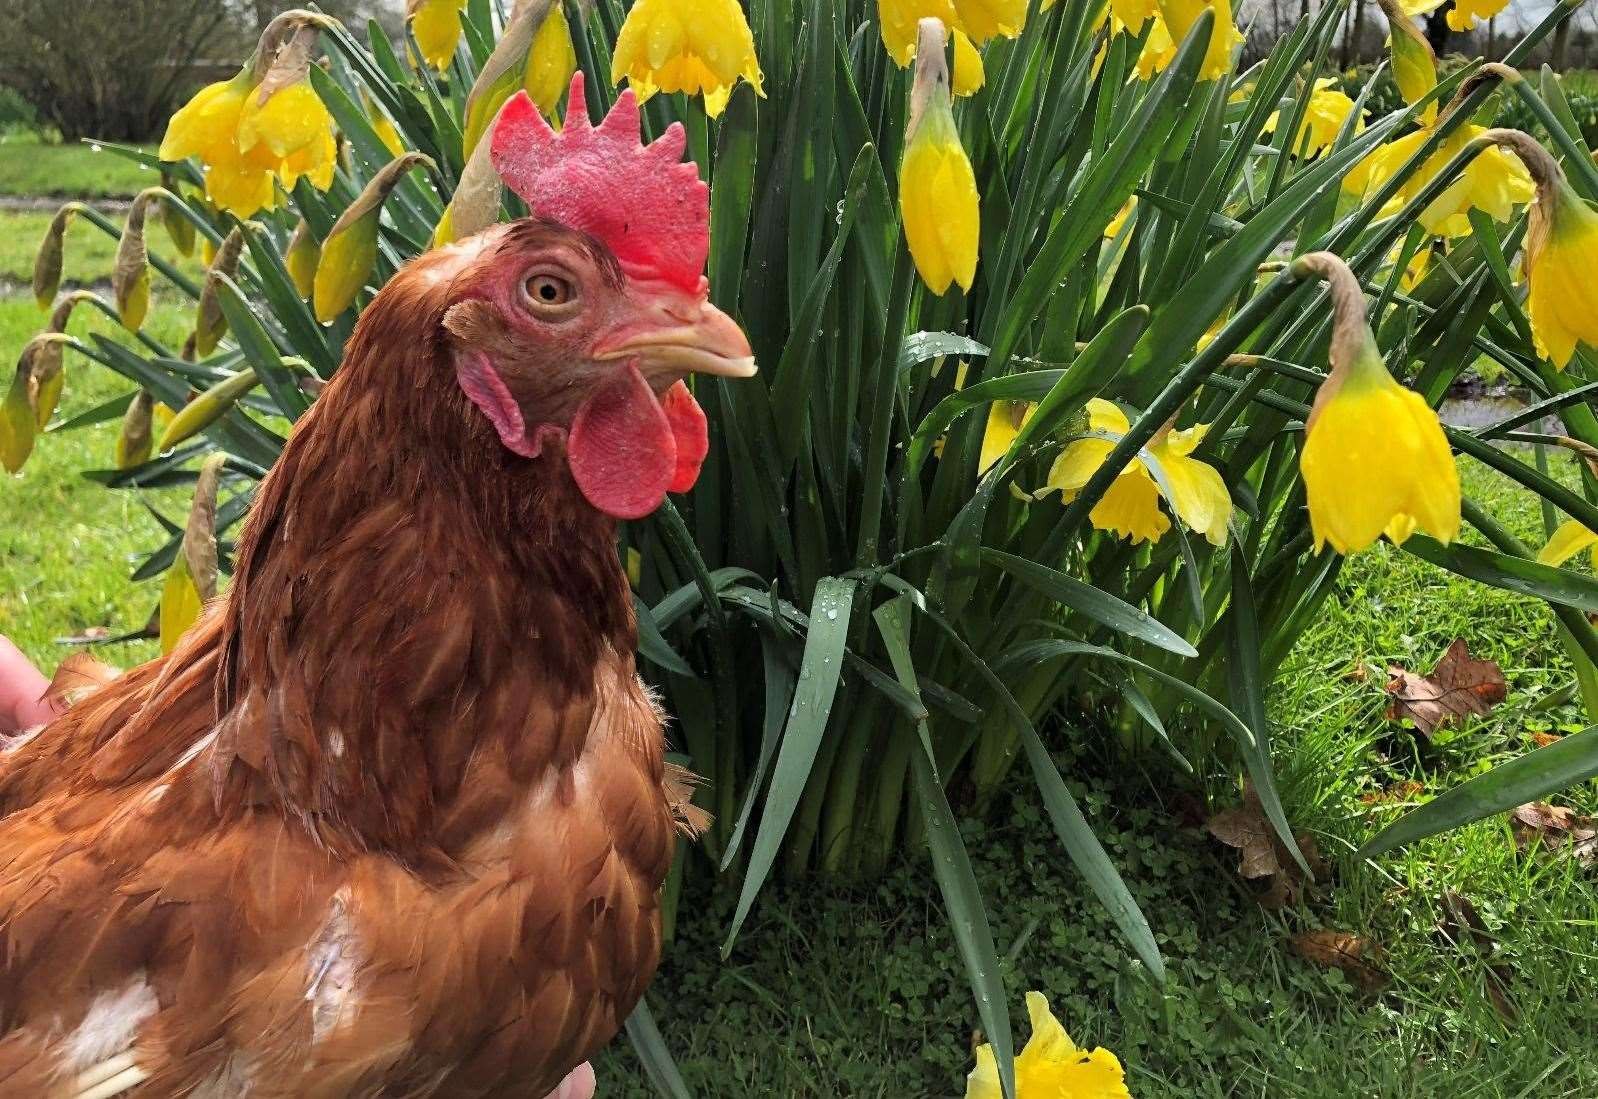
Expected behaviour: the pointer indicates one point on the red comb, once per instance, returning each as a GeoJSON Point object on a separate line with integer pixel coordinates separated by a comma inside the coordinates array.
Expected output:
{"type": "Point", "coordinates": [646, 204]}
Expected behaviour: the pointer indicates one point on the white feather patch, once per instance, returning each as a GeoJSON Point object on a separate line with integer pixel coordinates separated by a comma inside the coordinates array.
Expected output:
{"type": "Point", "coordinates": [110, 1025]}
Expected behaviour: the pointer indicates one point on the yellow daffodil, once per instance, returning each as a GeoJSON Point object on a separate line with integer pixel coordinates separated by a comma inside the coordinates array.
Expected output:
{"type": "Point", "coordinates": [1005, 420]}
{"type": "Point", "coordinates": [971, 23]}
{"type": "Point", "coordinates": [1494, 182]}
{"type": "Point", "coordinates": [1118, 222]}
{"type": "Point", "coordinates": [1464, 15]}
{"type": "Point", "coordinates": [1179, 17]}
{"type": "Point", "coordinates": [1375, 460]}
{"type": "Point", "coordinates": [265, 122]}
{"type": "Point", "coordinates": [437, 27]}
{"type": "Point", "coordinates": [1050, 1066]}
{"type": "Point", "coordinates": [937, 188]}
{"type": "Point", "coordinates": [1570, 539]}
{"type": "Point", "coordinates": [1561, 250]}
{"type": "Point", "coordinates": [692, 46]}
{"type": "Point", "coordinates": [1324, 115]}
{"type": "Point", "coordinates": [1132, 14]}
{"type": "Point", "coordinates": [1131, 507]}
{"type": "Point", "coordinates": [1158, 50]}
{"type": "Point", "coordinates": [550, 62]}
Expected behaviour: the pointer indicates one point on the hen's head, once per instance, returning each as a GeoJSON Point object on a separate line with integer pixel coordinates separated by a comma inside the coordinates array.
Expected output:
{"type": "Point", "coordinates": [575, 327]}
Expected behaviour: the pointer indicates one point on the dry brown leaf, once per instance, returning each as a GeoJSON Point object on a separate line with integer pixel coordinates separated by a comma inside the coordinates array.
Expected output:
{"type": "Point", "coordinates": [1462, 926]}
{"type": "Point", "coordinates": [1555, 827]}
{"type": "Point", "coordinates": [1398, 792]}
{"type": "Point", "coordinates": [1354, 954]}
{"type": "Point", "coordinates": [1543, 740]}
{"type": "Point", "coordinates": [1263, 856]}
{"type": "Point", "coordinates": [1460, 686]}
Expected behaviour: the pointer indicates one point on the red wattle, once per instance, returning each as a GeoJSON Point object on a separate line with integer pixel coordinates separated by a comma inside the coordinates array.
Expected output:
{"type": "Point", "coordinates": [622, 448]}
{"type": "Point", "coordinates": [689, 430]}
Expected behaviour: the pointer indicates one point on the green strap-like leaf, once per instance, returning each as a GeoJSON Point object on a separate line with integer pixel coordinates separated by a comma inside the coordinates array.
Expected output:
{"type": "Point", "coordinates": [951, 866]}
{"type": "Point", "coordinates": [1098, 605]}
{"type": "Point", "coordinates": [653, 1054]}
{"type": "Point", "coordinates": [801, 740]}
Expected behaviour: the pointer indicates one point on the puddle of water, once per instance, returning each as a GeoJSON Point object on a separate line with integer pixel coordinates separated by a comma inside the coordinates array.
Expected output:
{"type": "Point", "coordinates": [1478, 410]}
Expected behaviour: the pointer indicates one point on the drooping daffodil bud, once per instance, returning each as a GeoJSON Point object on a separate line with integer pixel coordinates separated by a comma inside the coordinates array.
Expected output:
{"type": "Point", "coordinates": [475, 204]}
{"type": "Point", "coordinates": [690, 46]}
{"type": "Point", "coordinates": [1375, 459]}
{"type": "Point", "coordinates": [191, 581]}
{"type": "Point", "coordinates": [178, 227]}
{"type": "Point", "coordinates": [1414, 63]}
{"type": "Point", "coordinates": [350, 251]}
{"type": "Point", "coordinates": [130, 277]}
{"type": "Point", "coordinates": [209, 323]}
{"type": "Point", "coordinates": [47, 263]}
{"type": "Point", "coordinates": [536, 46]}
{"type": "Point", "coordinates": [137, 437]}
{"type": "Point", "coordinates": [49, 357]}
{"type": "Point", "coordinates": [937, 188]}
{"type": "Point", "coordinates": [1561, 249]}
{"type": "Point", "coordinates": [18, 420]}
{"type": "Point", "coordinates": [206, 408]}
{"type": "Point", "coordinates": [301, 258]}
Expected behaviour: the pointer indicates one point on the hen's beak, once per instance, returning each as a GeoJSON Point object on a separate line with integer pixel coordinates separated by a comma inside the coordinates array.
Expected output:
{"type": "Point", "coordinates": [681, 334]}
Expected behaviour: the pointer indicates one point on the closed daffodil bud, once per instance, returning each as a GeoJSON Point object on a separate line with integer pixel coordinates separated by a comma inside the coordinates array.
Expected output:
{"type": "Point", "coordinates": [209, 323]}
{"type": "Point", "coordinates": [536, 52]}
{"type": "Point", "coordinates": [1414, 63]}
{"type": "Point", "coordinates": [697, 47]}
{"type": "Point", "coordinates": [937, 188]}
{"type": "Point", "coordinates": [436, 25]}
{"type": "Point", "coordinates": [1561, 252]}
{"type": "Point", "coordinates": [178, 227]}
{"type": "Point", "coordinates": [130, 277]}
{"type": "Point", "coordinates": [18, 420]}
{"type": "Point", "coordinates": [382, 126]}
{"type": "Point", "coordinates": [477, 199]}
{"type": "Point", "coordinates": [191, 581]}
{"type": "Point", "coordinates": [350, 251]}
{"type": "Point", "coordinates": [47, 263]}
{"type": "Point", "coordinates": [1375, 460]}
{"type": "Point", "coordinates": [49, 358]}
{"type": "Point", "coordinates": [206, 409]}
{"type": "Point", "coordinates": [137, 437]}
{"type": "Point", "coordinates": [301, 258]}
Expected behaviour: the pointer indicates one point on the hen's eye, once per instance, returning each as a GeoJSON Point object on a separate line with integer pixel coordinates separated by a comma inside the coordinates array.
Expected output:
{"type": "Point", "coordinates": [549, 291]}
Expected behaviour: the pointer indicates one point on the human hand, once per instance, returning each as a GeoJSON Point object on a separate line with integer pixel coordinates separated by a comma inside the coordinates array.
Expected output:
{"type": "Point", "coordinates": [579, 1084]}
{"type": "Point", "coordinates": [22, 687]}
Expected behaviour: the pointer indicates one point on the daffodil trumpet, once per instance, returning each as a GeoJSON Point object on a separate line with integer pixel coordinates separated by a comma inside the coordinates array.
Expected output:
{"type": "Point", "coordinates": [1375, 459]}
{"type": "Point", "coordinates": [697, 47]}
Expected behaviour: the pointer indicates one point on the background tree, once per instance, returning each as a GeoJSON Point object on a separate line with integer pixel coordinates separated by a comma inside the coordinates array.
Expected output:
{"type": "Point", "coordinates": [116, 69]}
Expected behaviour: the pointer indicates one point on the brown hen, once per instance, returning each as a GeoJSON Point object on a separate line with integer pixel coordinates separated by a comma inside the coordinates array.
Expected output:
{"type": "Point", "coordinates": [392, 818]}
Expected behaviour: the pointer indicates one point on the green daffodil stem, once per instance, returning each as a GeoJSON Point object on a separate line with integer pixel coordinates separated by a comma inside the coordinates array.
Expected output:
{"type": "Point", "coordinates": [1577, 159]}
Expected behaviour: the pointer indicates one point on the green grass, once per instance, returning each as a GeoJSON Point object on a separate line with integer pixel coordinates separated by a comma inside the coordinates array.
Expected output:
{"type": "Point", "coordinates": [67, 545]}
{"type": "Point", "coordinates": [89, 251]}
{"type": "Point", "coordinates": [837, 991]}
{"type": "Point", "coordinates": [29, 167]}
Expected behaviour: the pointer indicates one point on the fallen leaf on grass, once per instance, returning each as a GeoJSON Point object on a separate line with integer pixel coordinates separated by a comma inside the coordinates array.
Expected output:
{"type": "Point", "coordinates": [1462, 926]}
{"type": "Point", "coordinates": [1264, 856]}
{"type": "Point", "coordinates": [1398, 792]}
{"type": "Point", "coordinates": [1554, 827]}
{"type": "Point", "coordinates": [1543, 740]}
{"type": "Point", "coordinates": [1354, 954]}
{"type": "Point", "coordinates": [1459, 687]}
